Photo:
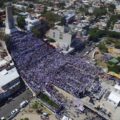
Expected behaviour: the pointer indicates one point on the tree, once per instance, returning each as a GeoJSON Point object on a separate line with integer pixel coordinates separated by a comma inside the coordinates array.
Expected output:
{"type": "Point", "coordinates": [2, 35]}
{"type": "Point", "coordinates": [51, 18]}
{"type": "Point", "coordinates": [113, 19]}
{"type": "Point", "coordinates": [114, 34]}
{"type": "Point", "coordinates": [118, 59]}
{"type": "Point", "coordinates": [117, 45]}
{"type": "Point", "coordinates": [36, 32]}
{"type": "Point", "coordinates": [63, 21]}
{"type": "Point", "coordinates": [31, 6]}
{"type": "Point", "coordinates": [35, 105]}
{"type": "Point", "coordinates": [61, 5]}
{"type": "Point", "coordinates": [111, 8]}
{"type": "Point", "coordinates": [103, 47]}
{"type": "Point", "coordinates": [95, 34]}
{"type": "Point", "coordinates": [45, 10]}
{"type": "Point", "coordinates": [1, 23]}
{"type": "Point", "coordinates": [99, 12]}
{"type": "Point", "coordinates": [84, 10]}
{"type": "Point", "coordinates": [26, 118]}
{"type": "Point", "coordinates": [21, 22]}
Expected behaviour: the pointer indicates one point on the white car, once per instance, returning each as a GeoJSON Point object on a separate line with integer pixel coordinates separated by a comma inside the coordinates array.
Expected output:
{"type": "Point", "coordinates": [23, 104]}
{"type": "Point", "coordinates": [2, 118]}
{"type": "Point", "coordinates": [14, 112]}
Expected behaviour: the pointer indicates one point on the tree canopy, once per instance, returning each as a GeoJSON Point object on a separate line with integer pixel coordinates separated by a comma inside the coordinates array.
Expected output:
{"type": "Point", "coordinates": [36, 32]}
{"type": "Point", "coordinates": [99, 12]}
{"type": "Point", "coordinates": [111, 8]}
{"type": "Point", "coordinates": [95, 34]}
{"type": "Point", "coordinates": [103, 47]}
{"type": "Point", "coordinates": [21, 22]}
{"type": "Point", "coordinates": [51, 18]}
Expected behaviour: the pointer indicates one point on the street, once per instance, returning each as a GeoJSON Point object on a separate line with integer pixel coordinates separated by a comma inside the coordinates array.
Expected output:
{"type": "Point", "coordinates": [6, 109]}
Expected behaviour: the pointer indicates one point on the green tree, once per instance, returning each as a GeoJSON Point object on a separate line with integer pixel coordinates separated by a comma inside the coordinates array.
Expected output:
{"type": "Point", "coordinates": [61, 5]}
{"type": "Point", "coordinates": [84, 10]}
{"type": "Point", "coordinates": [36, 105]}
{"type": "Point", "coordinates": [118, 59]}
{"type": "Point", "coordinates": [95, 34]}
{"type": "Point", "coordinates": [26, 118]}
{"type": "Point", "coordinates": [113, 19]}
{"type": "Point", "coordinates": [63, 21]}
{"type": "Point", "coordinates": [21, 22]}
{"type": "Point", "coordinates": [111, 8]}
{"type": "Point", "coordinates": [31, 6]}
{"type": "Point", "coordinates": [51, 18]}
{"type": "Point", "coordinates": [36, 32]}
{"type": "Point", "coordinates": [1, 22]}
{"type": "Point", "coordinates": [45, 10]}
{"type": "Point", "coordinates": [113, 34]}
{"type": "Point", "coordinates": [117, 45]}
{"type": "Point", "coordinates": [103, 47]}
{"type": "Point", "coordinates": [99, 12]}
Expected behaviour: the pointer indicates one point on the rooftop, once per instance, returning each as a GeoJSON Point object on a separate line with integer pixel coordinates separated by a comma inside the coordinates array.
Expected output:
{"type": "Point", "coordinates": [8, 76]}
{"type": "Point", "coordinates": [114, 61]}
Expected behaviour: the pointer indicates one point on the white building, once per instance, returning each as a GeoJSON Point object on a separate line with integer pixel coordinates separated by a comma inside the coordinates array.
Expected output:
{"type": "Point", "coordinates": [114, 96]}
{"type": "Point", "coordinates": [66, 118]}
{"type": "Point", "coordinates": [9, 77]}
{"type": "Point", "coordinates": [20, 7]}
{"type": "Point", "coordinates": [118, 9]}
{"type": "Point", "coordinates": [31, 22]}
{"type": "Point", "coordinates": [62, 38]}
{"type": "Point", "coordinates": [9, 82]}
{"type": "Point", "coordinates": [117, 26]}
{"type": "Point", "coordinates": [117, 87]}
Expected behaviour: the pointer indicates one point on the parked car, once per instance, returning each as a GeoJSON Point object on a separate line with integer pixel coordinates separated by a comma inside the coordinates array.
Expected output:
{"type": "Point", "coordinates": [23, 104]}
{"type": "Point", "coordinates": [2, 118]}
{"type": "Point", "coordinates": [14, 112]}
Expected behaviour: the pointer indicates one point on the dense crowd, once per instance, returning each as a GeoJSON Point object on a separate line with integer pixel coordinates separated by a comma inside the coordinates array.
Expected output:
{"type": "Point", "coordinates": [40, 64]}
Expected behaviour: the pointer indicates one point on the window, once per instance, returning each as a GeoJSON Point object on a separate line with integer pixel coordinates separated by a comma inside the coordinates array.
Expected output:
{"type": "Point", "coordinates": [53, 34]}
{"type": "Point", "coordinates": [61, 35]}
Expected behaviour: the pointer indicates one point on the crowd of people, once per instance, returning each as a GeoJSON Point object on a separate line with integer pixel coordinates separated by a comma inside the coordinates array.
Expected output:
{"type": "Point", "coordinates": [39, 64]}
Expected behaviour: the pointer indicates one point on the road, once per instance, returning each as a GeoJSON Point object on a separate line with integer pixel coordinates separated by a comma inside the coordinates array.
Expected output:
{"type": "Point", "coordinates": [88, 49]}
{"type": "Point", "coordinates": [96, 111]}
{"type": "Point", "coordinates": [6, 109]}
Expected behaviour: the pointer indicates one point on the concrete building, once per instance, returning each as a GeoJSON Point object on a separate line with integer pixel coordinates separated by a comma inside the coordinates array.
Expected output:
{"type": "Point", "coordinates": [10, 27]}
{"type": "Point", "coordinates": [69, 17]}
{"type": "Point", "coordinates": [114, 97]}
{"type": "Point", "coordinates": [31, 22]}
{"type": "Point", "coordinates": [66, 118]}
{"type": "Point", "coordinates": [117, 26]}
{"type": "Point", "coordinates": [61, 37]}
{"type": "Point", "coordinates": [9, 77]}
{"type": "Point", "coordinates": [20, 7]}
{"type": "Point", "coordinates": [9, 82]}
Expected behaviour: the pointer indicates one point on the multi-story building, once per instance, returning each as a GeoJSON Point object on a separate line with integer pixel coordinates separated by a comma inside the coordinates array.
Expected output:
{"type": "Point", "coordinates": [9, 77]}
{"type": "Point", "coordinates": [31, 22]}
{"type": "Point", "coordinates": [61, 36]}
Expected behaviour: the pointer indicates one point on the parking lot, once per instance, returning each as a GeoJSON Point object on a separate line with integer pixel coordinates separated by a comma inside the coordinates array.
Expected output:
{"type": "Point", "coordinates": [6, 109]}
